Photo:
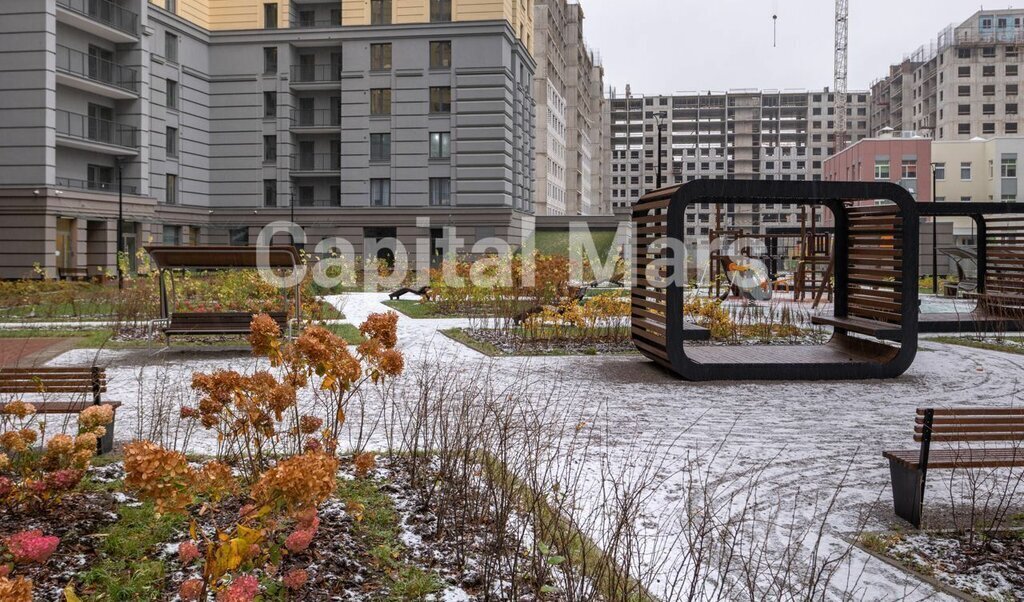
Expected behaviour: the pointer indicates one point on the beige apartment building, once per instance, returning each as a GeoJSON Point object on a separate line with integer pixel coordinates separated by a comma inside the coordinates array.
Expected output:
{"type": "Point", "coordinates": [964, 84]}
{"type": "Point", "coordinates": [568, 85]}
{"type": "Point", "coordinates": [977, 170]}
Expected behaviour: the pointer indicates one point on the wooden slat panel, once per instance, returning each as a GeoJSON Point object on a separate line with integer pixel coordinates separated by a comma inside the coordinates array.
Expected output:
{"type": "Point", "coordinates": [973, 411]}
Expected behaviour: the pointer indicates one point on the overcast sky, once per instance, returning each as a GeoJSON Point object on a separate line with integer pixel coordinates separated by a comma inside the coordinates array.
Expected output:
{"type": "Point", "coordinates": [665, 46]}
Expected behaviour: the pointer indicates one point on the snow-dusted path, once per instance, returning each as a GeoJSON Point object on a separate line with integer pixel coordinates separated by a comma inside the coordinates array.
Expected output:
{"type": "Point", "coordinates": [815, 429]}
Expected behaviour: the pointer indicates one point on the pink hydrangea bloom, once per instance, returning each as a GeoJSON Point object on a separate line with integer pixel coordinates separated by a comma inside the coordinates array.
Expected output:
{"type": "Point", "coordinates": [187, 552]}
{"type": "Point", "coordinates": [190, 590]}
{"type": "Point", "coordinates": [32, 546]}
{"type": "Point", "coordinates": [295, 579]}
{"type": "Point", "coordinates": [63, 480]}
{"type": "Point", "coordinates": [299, 540]}
{"type": "Point", "coordinates": [242, 589]}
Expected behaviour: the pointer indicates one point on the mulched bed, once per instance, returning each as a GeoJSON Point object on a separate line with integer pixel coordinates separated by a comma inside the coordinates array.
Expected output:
{"type": "Point", "coordinates": [513, 344]}
{"type": "Point", "coordinates": [76, 520]}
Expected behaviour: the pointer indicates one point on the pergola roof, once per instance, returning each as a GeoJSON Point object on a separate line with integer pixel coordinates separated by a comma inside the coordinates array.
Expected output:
{"type": "Point", "coordinates": [222, 258]}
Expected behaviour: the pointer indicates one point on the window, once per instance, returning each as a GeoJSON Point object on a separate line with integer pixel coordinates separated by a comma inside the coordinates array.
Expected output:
{"type": "Point", "coordinates": [940, 171]}
{"type": "Point", "coordinates": [172, 142]}
{"type": "Point", "coordinates": [440, 55]}
{"type": "Point", "coordinates": [989, 52]}
{"type": "Point", "coordinates": [270, 60]}
{"type": "Point", "coordinates": [963, 71]}
{"type": "Point", "coordinates": [239, 237]}
{"type": "Point", "coordinates": [440, 191]}
{"type": "Point", "coordinates": [881, 169]}
{"type": "Point", "coordinates": [1011, 108]}
{"type": "Point", "coordinates": [269, 149]}
{"type": "Point", "coordinates": [380, 147]}
{"type": "Point", "coordinates": [1012, 70]}
{"type": "Point", "coordinates": [1011, 127]}
{"type": "Point", "coordinates": [988, 128]}
{"type": "Point", "coordinates": [170, 47]}
{"type": "Point", "coordinates": [172, 94]}
{"type": "Point", "coordinates": [1011, 89]}
{"type": "Point", "coordinates": [171, 6]}
{"type": "Point", "coordinates": [963, 129]}
{"type": "Point", "coordinates": [380, 192]}
{"type": "Point", "coordinates": [1011, 52]}
{"type": "Point", "coordinates": [172, 235]}
{"type": "Point", "coordinates": [171, 189]}
{"type": "Point", "coordinates": [270, 15]}
{"type": "Point", "coordinates": [441, 100]}
{"type": "Point", "coordinates": [965, 199]}
{"type": "Point", "coordinates": [965, 171]}
{"type": "Point", "coordinates": [440, 145]}
{"type": "Point", "coordinates": [963, 109]}
{"type": "Point", "coordinates": [380, 101]}
{"type": "Point", "coordinates": [270, 193]}
{"type": "Point", "coordinates": [964, 91]}
{"type": "Point", "coordinates": [910, 170]}
{"type": "Point", "coordinates": [380, 57]}
{"type": "Point", "coordinates": [440, 11]}
{"type": "Point", "coordinates": [963, 53]}
{"type": "Point", "coordinates": [307, 18]}
{"type": "Point", "coordinates": [100, 177]}
{"type": "Point", "coordinates": [988, 90]}
{"type": "Point", "coordinates": [1008, 168]}
{"type": "Point", "coordinates": [269, 104]}
{"type": "Point", "coordinates": [988, 71]}
{"type": "Point", "coordinates": [380, 12]}
{"type": "Point", "coordinates": [988, 109]}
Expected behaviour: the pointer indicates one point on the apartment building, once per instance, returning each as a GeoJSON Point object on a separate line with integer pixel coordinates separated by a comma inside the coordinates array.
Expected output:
{"type": "Point", "coordinates": [977, 170]}
{"type": "Point", "coordinates": [903, 160]}
{"type": "Point", "coordinates": [569, 84]}
{"type": "Point", "coordinates": [743, 134]}
{"type": "Point", "coordinates": [964, 84]}
{"type": "Point", "coordinates": [355, 118]}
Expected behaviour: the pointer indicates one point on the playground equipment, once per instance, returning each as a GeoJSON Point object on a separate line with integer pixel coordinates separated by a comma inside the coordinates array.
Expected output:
{"type": "Point", "coordinates": [875, 272]}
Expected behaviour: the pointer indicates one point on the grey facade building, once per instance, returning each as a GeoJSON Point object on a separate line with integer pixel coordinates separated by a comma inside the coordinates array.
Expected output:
{"type": "Point", "coordinates": [358, 131]}
{"type": "Point", "coordinates": [569, 85]}
{"type": "Point", "coordinates": [964, 84]}
{"type": "Point", "coordinates": [743, 134]}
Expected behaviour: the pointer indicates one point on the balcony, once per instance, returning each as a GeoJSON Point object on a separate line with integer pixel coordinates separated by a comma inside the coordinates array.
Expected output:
{"type": "Point", "coordinates": [317, 202]}
{"type": "Point", "coordinates": [316, 120]}
{"type": "Point", "coordinates": [93, 134]}
{"type": "Point", "coordinates": [93, 74]}
{"type": "Point", "coordinates": [315, 76]}
{"type": "Point", "coordinates": [104, 18]}
{"type": "Point", "coordinates": [316, 164]}
{"type": "Point", "coordinates": [101, 187]}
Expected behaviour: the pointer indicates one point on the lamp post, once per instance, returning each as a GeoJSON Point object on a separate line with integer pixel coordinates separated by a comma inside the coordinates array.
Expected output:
{"type": "Point", "coordinates": [120, 220]}
{"type": "Point", "coordinates": [935, 233]}
{"type": "Point", "coordinates": [659, 121]}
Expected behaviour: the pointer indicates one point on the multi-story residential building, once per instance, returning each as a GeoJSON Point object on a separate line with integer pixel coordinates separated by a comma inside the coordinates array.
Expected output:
{"type": "Point", "coordinates": [357, 118]}
{"type": "Point", "coordinates": [743, 134]}
{"type": "Point", "coordinates": [569, 86]}
{"type": "Point", "coordinates": [903, 160]}
{"type": "Point", "coordinates": [964, 84]}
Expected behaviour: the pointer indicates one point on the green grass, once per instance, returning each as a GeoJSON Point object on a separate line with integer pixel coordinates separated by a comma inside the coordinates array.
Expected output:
{"type": "Point", "coordinates": [1017, 349]}
{"type": "Point", "coordinates": [417, 310]}
{"type": "Point", "coordinates": [379, 531]}
{"type": "Point", "coordinates": [349, 332]}
{"type": "Point", "coordinates": [460, 335]}
{"type": "Point", "coordinates": [126, 569]}
{"type": "Point", "coordinates": [556, 242]}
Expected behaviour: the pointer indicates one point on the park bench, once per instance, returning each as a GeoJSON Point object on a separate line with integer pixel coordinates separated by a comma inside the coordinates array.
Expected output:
{"type": "Point", "coordinates": [72, 273]}
{"type": "Point", "coordinates": [76, 388]}
{"type": "Point", "coordinates": [213, 323]}
{"type": "Point", "coordinates": [932, 426]}
{"type": "Point", "coordinates": [423, 291]}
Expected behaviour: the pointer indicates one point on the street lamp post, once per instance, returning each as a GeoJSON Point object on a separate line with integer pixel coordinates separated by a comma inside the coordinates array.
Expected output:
{"type": "Point", "coordinates": [935, 233]}
{"type": "Point", "coordinates": [120, 220]}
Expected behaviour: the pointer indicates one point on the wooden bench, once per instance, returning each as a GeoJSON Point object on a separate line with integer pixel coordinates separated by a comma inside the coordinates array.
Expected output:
{"type": "Point", "coordinates": [872, 328]}
{"type": "Point", "coordinates": [908, 468]}
{"type": "Point", "coordinates": [212, 323]}
{"type": "Point", "coordinates": [72, 273]}
{"type": "Point", "coordinates": [80, 388]}
{"type": "Point", "coordinates": [423, 291]}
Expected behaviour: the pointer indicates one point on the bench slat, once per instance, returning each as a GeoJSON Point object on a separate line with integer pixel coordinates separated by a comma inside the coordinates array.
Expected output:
{"type": "Point", "coordinates": [973, 411]}
{"type": "Point", "coordinates": [66, 407]}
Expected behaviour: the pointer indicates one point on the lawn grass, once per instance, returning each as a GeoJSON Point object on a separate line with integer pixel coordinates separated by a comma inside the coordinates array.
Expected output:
{"type": "Point", "coordinates": [349, 332]}
{"type": "Point", "coordinates": [556, 242]}
{"type": "Point", "coordinates": [1016, 349]}
{"type": "Point", "coordinates": [417, 310]}
{"type": "Point", "coordinates": [378, 529]}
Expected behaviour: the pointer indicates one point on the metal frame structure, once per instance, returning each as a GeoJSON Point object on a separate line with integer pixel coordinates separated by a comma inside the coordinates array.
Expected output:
{"type": "Point", "coordinates": [876, 283]}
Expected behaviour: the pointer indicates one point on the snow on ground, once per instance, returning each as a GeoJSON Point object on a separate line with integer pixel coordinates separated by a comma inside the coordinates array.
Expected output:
{"type": "Point", "coordinates": [814, 431]}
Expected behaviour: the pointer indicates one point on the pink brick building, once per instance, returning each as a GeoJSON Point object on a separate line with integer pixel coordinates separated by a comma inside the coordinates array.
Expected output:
{"type": "Point", "coordinates": [904, 161]}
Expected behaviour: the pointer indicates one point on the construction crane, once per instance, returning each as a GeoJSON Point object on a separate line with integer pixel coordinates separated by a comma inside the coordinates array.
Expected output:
{"type": "Point", "coordinates": [841, 68]}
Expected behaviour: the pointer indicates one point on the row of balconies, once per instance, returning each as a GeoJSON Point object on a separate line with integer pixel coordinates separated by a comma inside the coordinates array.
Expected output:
{"type": "Point", "coordinates": [104, 12]}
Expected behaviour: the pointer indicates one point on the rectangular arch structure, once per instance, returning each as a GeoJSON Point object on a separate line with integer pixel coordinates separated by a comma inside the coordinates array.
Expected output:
{"type": "Point", "coordinates": [876, 283]}
{"type": "Point", "coordinates": [1000, 258]}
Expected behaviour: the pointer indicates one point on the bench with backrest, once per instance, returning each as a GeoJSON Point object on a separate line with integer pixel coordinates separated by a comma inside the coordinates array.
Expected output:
{"type": "Point", "coordinates": [64, 391]}
{"type": "Point", "coordinates": [72, 273]}
{"type": "Point", "coordinates": [212, 323]}
{"type": "Point", "coordinates": [973, 431]}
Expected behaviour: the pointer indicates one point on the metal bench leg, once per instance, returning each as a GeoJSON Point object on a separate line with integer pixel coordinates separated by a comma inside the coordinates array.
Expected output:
{"type": "Point", "coordinates": [907, 492]}
{"type": "Point", "coordinates": [106, 442]}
